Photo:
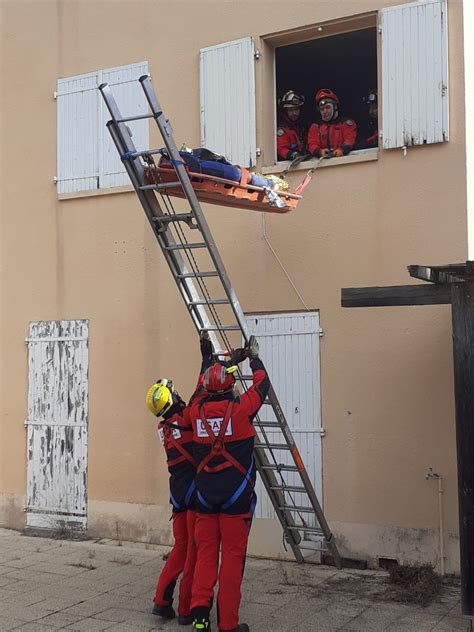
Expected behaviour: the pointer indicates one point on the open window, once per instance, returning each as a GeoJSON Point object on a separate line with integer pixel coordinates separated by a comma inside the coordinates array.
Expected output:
{"type": "Point", "coordinates": [346, 63]}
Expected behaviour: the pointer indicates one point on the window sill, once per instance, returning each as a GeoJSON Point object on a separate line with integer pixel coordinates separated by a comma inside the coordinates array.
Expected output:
{"type": "Point", "coordinates": [95, 192]}
{"type": "Point", "coordinates": [361, 155]}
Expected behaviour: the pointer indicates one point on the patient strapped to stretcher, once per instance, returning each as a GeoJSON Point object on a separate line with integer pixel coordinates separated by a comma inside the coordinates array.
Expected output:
{"type": "Point", "coordinates": [218, 181]}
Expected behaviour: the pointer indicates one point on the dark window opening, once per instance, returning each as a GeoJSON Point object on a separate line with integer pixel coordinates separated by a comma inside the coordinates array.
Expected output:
{"type": "Point", "coordinates": [346, 64]}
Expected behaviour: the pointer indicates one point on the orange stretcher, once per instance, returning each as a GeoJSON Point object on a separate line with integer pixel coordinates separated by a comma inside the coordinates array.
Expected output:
{"type": "Point", "coordinates": [215, 190]}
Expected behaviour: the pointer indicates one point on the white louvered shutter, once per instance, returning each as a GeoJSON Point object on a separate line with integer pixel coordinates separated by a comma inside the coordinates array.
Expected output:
{"type": "Point", "coordinates": [77, 133]}
{"type": "Point", "coordinates": [415, 74]}
{"type": "Point", "coordinates": [227, 86]}
{"type": "Point", "coordinates": [86, 156]}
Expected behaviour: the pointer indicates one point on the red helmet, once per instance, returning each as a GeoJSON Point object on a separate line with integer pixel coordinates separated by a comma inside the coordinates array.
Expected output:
{"type": "Point", "coordinates": [326, 93]}
{"type": "Point", "coordinates": [218, 379]}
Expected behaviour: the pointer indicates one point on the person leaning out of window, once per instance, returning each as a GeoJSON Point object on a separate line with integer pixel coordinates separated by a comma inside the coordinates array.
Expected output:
{"type": "Point", "coordinates": [332, 135]}
{"type": "Point", "coordinates": [290, 132]}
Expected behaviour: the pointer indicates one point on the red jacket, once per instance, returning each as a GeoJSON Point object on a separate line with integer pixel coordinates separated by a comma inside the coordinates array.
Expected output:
{"type": "Point", "coordinates": [290, 138]}
{"type": "Point", "coordinates": [225, 477]}
{"type": "Point", "coordinates": [338, 134]}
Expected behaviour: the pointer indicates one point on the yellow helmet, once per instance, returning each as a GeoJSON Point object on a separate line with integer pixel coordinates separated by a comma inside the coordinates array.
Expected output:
{"type": "Point", "coordinates": [159, 398]}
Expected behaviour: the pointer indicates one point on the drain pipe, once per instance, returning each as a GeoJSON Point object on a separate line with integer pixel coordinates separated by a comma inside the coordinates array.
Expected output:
{"type": "Point", "coordinates": [430, 476]}
{"type": "Point", "coordinates": [267, 241]}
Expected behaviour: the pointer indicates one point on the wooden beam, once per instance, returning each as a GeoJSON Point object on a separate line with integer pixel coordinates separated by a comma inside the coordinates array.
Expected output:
{"type": "Point", "coordinates": [396, 295]}
{"type": "Point", "coordinates": [452, 273]}
{"type": "Point", "coordinates": [463, 350]}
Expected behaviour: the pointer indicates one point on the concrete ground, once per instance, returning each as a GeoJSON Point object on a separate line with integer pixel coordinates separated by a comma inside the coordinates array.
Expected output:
{"type": "Point", "coordinates": [48, 584]}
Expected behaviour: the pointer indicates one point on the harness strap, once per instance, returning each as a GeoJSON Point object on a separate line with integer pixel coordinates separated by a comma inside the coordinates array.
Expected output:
{"type": "Point", "coordinates": [185, 456]}
{"type": "Point", "coordinates": [217, 444]}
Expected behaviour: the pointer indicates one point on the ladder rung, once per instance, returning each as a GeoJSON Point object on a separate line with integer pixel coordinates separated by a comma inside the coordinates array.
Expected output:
{"type": "Point", "coordinates": [138, 117]}
{"type": "Point", "coordinates": [299, 527]}
{"type": "Point", "coordinates": [273, 446]}
{"type": "Point", "coordinates": [288, 488]}
{"type": "Point", "coordinates": [267, 424]}
{"type": "Point", "coordinates": [309, 510]}
{"type": "Point", "coordinates": [176, 217]}
{"type": "Point", "coordinates": [195, 275]}
{"type": "Point", "coordinates": [161, 185]}
{"type": "Point", "coordinates": [222, 328]}
{"type": "Point", "coordinates": [214, 301]}
{"type": "Point", "coordinates": [280, 468]}
{"type": "Point", "coordinates": [186, 246]}
{"type": "Point", "coordinates": [317, 548]}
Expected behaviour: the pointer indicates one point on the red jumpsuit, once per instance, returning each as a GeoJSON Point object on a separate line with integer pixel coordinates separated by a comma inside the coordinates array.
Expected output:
{"type": "Point", "coordinates": [290, 138]}
{"type": "Point", "coordinates": [176, 436]}
{"type": "Point", "coordinates": [223, 447]}
{"type": "Point", "coordinates": [338, 134]}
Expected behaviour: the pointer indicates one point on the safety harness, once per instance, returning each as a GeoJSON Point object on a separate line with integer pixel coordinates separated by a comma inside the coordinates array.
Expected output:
{"type": "Point", "coordinates": [185, 455]}
{"type": "Point", "coordinates": [218, 449]}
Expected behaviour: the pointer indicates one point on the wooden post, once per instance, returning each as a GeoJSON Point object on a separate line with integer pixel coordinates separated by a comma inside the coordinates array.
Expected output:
{"type": "Point", "coordinates": [462, 301]}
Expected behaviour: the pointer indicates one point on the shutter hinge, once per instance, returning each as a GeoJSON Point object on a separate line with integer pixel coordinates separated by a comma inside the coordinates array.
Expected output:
{"type": "Point", "coordinates": [320, 333]}
{"type": "Point", "coordinates": [258, 151]}
{"type": "Point", "coordinates": [380, 27]}
{"type": "Point", "coordinates": [257, 55]}
{"type": "Point", "coordinates": [55, 94]}
{"type": "Point", "coordinates": [55, 179]}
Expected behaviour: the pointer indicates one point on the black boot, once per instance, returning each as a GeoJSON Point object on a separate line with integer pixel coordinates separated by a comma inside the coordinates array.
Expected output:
{"type": "Point", "coordinates": [166, 612]}
{"type": "Point", "coordinates": [202, 624]}
{"type": "Point", "coordinates": [185, 619]}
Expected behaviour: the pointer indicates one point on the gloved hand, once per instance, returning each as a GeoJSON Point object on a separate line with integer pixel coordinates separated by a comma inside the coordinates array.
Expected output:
{"type": "Point", "coordinates": [337, 153]}
{"type": "Point", "coordinates": [237, 356]}
{"type": "Point", "coordinates": [292, 155]}
{"type": "Point", "coordinates": [252, 348]}
{"type": "Point", "coordinates": [206, 344]}
{"type": "Point", "coordinates": [326, 153]}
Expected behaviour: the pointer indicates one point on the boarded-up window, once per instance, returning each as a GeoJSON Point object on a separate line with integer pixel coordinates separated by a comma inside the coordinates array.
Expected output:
{"type": "Point", "coordinates": [227, 84]}
{"type": "Point", "coordinates": [87, 158]}
{"type": "Point", "coordinates": [415, 74]}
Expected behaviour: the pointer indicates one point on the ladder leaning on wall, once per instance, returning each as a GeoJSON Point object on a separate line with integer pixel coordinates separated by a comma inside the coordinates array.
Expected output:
{"type": "Point", "coordinates": [199, 273]}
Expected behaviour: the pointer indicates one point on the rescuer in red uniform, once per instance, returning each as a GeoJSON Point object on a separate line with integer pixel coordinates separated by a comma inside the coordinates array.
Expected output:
{"type": "Point", "coordinates": [332, 135]}
{"type": "Point", "coordinates": [290, 130]}
{"type": "Point", "coordinates": [225, 500]}
{"type": "Point", "coordinates": [176, 435]}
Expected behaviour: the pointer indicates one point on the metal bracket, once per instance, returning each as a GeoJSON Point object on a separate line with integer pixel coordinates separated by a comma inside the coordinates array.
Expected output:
{"type": "Point", "coordinates": [257, 55]}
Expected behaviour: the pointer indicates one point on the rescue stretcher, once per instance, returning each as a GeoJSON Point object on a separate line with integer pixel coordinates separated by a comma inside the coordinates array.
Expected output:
{"type": "Point", "coordinates": [221, 191]}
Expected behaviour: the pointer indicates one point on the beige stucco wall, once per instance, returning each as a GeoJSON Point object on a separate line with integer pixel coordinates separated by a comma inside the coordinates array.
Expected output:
{"type": "Point", "coordinates": [387, 394]}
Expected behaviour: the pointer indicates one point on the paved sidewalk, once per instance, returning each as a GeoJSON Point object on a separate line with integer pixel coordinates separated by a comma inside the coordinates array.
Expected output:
{"type": "Point", "coordinates": [92, 586]}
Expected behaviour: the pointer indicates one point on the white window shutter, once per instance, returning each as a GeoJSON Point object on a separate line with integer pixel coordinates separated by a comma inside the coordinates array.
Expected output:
{"type": "Point", "coordinates": [227, 86]}
{"type": "Point", "coordinates": [77, 133]}
{"type": "Point", "coordinates": [86, 156]}
{"type": "Point", "coordinates": [132, 101]}
{"type": "Point", "coordinates": [415, 74]}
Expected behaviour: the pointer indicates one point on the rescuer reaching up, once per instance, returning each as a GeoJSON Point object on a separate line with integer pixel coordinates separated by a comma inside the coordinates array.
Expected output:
{"type": "Point", "coordinates": [223, 436]}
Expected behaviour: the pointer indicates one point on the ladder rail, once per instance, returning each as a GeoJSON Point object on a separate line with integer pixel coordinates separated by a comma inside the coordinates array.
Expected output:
{"type": "Point", "coordinates": [135, 168]}
{"type": "Point", "coordinates": [122, 139]}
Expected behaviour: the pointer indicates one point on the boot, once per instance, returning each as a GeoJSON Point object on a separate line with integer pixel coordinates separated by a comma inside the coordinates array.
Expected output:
{"type": "Point", "coordinates": [185, 619]}
{"type": "Point", "coordinates": [165, 612]}
{"type": "Point", "coordinates": [202, 624]}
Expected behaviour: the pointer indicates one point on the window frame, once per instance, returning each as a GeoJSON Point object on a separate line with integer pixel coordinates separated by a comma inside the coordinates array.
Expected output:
{"type": "Point", "coordinates": [266, 97]}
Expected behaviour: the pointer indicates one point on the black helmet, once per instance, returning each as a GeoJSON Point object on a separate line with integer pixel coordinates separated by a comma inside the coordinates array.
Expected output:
{"type": "Point", "coordinates": [292, 99]}
{"type": "Point", "coordinates": [371, 97]}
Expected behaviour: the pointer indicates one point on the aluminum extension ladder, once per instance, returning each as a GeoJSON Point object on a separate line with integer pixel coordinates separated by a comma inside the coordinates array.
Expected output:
{"type": "Point", "coordinates": [195, 266]}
